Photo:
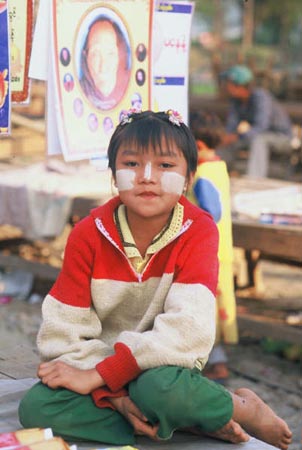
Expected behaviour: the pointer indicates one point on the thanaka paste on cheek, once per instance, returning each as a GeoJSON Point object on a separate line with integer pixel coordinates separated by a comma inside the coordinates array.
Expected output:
{"type": "Point", "coordinates": [125, 179]}
{"type": "Point", "coordinates": [173, 182]}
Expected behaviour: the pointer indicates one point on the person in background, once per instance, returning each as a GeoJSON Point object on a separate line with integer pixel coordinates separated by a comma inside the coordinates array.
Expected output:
{"type": "Point", "coordinates": [130, 321]}
{"type": "Point", "coordinates": [211, 192]}
{"type": "Point", "coordinates": [256, 121]}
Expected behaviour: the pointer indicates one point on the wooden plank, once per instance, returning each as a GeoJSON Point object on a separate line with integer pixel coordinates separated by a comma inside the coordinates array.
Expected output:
{"type": "Point", "coordinates": [44, 271]}
{"type": "Point", "coordinates": [263, 379]}
{"type": "Point", "coordinates": [267, 327]}
{"type": "Point", "coordinates": [268, 305]}
{"type": "Point", "coordinates": [20, 361]}
{"type": "Point", "coordinates": [3, 376]}
{"type": "Point", "coordinates": [272, 240]}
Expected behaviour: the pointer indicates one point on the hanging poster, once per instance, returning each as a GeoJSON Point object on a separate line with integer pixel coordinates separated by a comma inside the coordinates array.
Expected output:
{"type": "Point", "coordinates": [40, 69]}
{"type": "Point", "coordinates": [21, 25]}
{"type": "Point", "coordinates": [5, 102]}
{"type": "Point", "coordinates": [40, 53]}
{"type": "Point", "coordinates": [170, 56]}
{"type": "Point", "coordinates": [101, 66]}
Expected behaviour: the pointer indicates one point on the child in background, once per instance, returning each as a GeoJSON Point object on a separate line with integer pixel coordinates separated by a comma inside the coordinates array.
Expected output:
{"type": "Point", "coordinates": [129, 324]}
{"type": "Point", "coordinates": [211, 191]}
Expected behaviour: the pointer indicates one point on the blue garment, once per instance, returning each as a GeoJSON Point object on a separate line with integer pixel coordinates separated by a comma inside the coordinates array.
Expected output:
{"type": "Point", "coordinates": [208, 197]}
{"type": "Point", "coordinates": [262, 111]}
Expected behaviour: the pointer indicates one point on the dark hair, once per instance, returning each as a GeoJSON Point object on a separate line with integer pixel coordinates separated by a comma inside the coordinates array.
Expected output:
{"type": "Point", "coordinates": [148, 128]}
{"type": "Point", "coordinates": [207, 127]}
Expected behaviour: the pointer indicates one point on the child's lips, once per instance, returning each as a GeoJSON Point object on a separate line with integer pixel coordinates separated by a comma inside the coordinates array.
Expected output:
{"type": "Point", "coordinates": [148, 194]}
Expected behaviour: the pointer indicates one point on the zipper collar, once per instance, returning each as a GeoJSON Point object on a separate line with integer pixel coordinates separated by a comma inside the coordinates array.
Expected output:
{"type": "Point", "coordinates": [100, 226]}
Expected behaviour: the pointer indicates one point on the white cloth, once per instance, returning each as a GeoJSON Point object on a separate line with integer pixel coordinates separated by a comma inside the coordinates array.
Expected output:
{"type": "Point", "coordinates": [38, 198]}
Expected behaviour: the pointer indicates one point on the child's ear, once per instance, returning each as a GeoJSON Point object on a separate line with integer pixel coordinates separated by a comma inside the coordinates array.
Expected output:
{"type": "Point", "coordinates": [190, 179]}
{"type": "Point", "coordinates": [113, 181]}
{"type": "Point", "coordinates": [189, 182]}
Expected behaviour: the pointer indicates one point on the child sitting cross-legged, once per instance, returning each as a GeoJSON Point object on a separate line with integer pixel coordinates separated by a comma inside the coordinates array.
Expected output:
{"type": "Point", "coordinates": [130, 321]}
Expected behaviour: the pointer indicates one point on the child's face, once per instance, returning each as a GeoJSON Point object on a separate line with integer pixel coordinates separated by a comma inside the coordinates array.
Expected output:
{"type": "Point", "coordinates": [150, 184]}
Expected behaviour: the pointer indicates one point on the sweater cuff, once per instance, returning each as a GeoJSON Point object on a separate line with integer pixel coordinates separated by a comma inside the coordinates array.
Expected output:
{"type": "Point", "coordinates": [118, 369]}
{"type": "Point", "coordinates": [101, 396]}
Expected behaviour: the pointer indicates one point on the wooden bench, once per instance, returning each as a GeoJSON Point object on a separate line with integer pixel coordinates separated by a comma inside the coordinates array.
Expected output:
{"type": "Point", "coordinates": [281, 243]}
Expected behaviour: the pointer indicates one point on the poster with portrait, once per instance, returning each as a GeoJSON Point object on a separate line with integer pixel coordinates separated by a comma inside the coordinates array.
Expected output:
{"type": "Point", "coordinates": [21, 26]}
{"type": "Point", "coordinates": [101, 66]}
{"type": "Point", "coordinates": [5, 101]}
{"type": "Point", "coordinates": [170, 55]}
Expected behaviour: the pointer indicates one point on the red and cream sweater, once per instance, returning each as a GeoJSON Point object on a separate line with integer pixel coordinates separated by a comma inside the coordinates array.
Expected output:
{"type": "Point", "coordinates": [101, 313]}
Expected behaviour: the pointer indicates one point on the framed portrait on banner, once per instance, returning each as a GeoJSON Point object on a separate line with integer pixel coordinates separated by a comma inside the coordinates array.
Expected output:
{"type": "Point", "coordinates": [101, 66]}
{"type": "Point", "coordinates": [21, 27]}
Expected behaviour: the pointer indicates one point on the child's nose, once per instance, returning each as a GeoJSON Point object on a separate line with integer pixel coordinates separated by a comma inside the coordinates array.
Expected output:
{"type": "Point", "coordinates": [147, 173]}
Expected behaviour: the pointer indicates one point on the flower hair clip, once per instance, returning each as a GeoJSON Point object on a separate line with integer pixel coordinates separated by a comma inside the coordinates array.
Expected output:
{"type": "Point", "coordinates": [126, 116]}
{"type": "Point", "coordinates": [175, 117]}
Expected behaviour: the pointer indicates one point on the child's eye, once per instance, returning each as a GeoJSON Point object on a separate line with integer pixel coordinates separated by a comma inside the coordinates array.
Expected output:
{"type": "Point", "coordinates": [131, 163]}
{"type": "Point", "coordinates": [166, 165]}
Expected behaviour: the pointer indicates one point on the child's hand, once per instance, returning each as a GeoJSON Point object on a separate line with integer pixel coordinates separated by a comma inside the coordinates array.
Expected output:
{"type": "Point", "coordinates": [130, 411]}
{"type": "Point", "coordinates": [57, 374]}
{"type": "Point", "coordinates": [243, 127]}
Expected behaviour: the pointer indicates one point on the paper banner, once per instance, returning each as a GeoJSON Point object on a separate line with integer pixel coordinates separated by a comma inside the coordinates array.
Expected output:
{"type": "Point", "coordinates": [21, 25]}
{"type": "Point", "coordinates": [101, 67]}
{"type": "Point", "coordinates": [40, 58]}
{"type": "Point", "coordinates": [5, 102]}
{"type": "Point", "coordinates": [170, 59]}
{"type": "Point", "coordinates": [40, 69]}
{"type": "Point", "coordinates": [70, 111]}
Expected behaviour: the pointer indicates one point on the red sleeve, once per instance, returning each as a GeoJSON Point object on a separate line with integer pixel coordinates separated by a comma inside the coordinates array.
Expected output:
{"type": "Point", "coordinates": [118, 369]}
{"type": "Point", "coordinates": [72, 285]}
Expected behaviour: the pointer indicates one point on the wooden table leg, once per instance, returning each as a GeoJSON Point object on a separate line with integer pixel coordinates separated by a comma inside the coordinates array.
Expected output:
{"type": "Point", "coordinates": [252, 258]}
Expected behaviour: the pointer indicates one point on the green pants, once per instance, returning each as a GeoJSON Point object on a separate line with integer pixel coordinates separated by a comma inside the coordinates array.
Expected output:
{"type": "Point", "coordinates": [173, 396]}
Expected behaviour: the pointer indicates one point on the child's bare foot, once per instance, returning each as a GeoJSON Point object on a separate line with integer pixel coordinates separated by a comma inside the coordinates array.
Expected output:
{"type": "Point", "coordinates": [231, 432]}
{"type": "Point", "coordinates": [259, 420]}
